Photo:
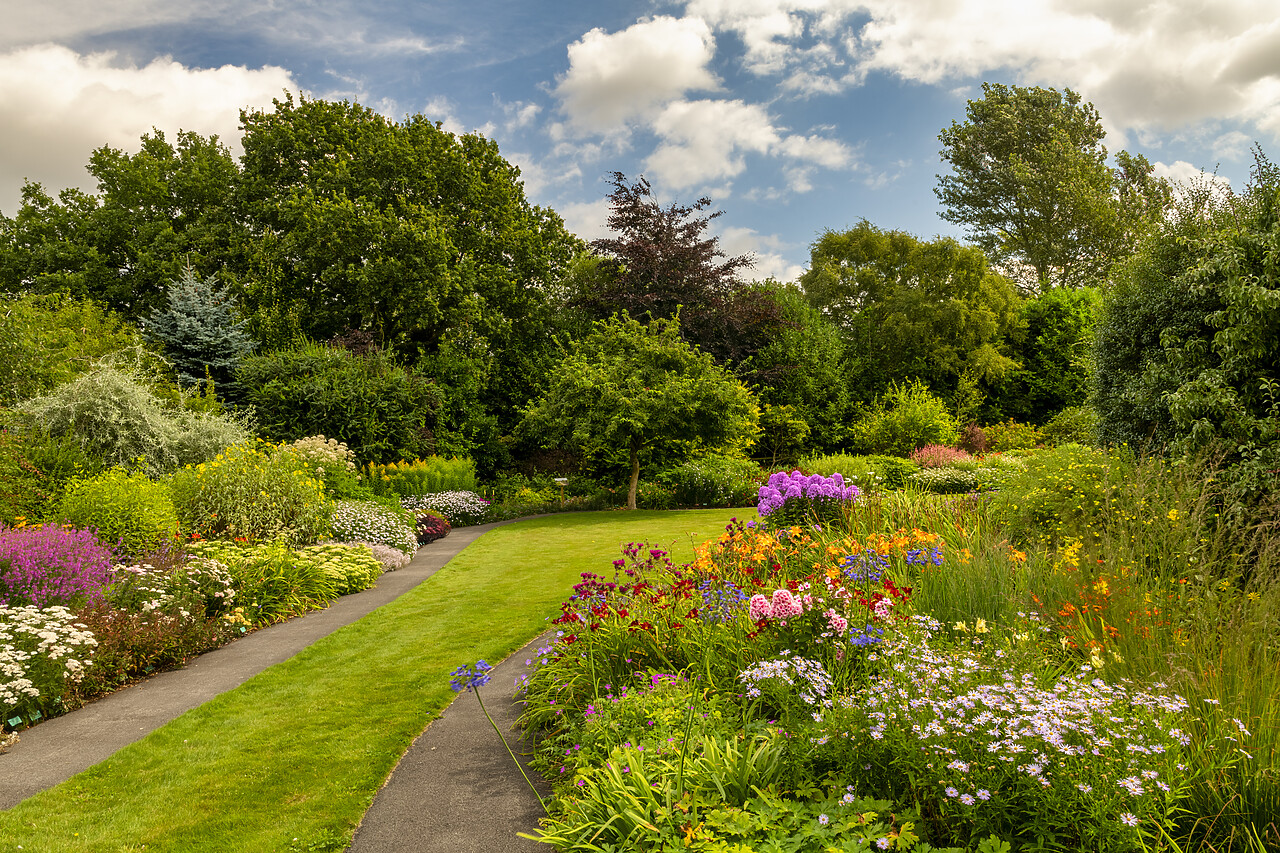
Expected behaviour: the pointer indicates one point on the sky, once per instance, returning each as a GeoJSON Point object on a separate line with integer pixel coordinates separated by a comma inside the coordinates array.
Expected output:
{"type": "Point", "coordinates": [793, 116]}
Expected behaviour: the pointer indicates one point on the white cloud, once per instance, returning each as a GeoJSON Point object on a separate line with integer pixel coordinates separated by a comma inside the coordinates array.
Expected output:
{"type": "Point", "coordinates": [56, 106]}
{"type": "Point", "coordinates": [705, 140]}
{"type": "Point", "coordinates": [766, 251]}
{"type": "Point", "coordinates": [1145, 65]}
{"type": "Point", "coordinates": [634, 72]}
{"type": "Point", "coordinates": [586, 218]}
{"type": "Point", "coordinates": [1186, 175]}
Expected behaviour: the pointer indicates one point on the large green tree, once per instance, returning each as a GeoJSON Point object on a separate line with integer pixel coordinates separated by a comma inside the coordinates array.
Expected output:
{"type": "Point", "coordinates": [1188, 346]}
{"type": "Point", "coordinates": [633, 387]}
{"type": "Point", "coordinates": [1029, 179]}
{"type": "Point", "coordinates": [155, 211]}
{"type": "Point", "coordinates": [909, 309]}
{"type": "Point", "coordinates": [1054, 349]}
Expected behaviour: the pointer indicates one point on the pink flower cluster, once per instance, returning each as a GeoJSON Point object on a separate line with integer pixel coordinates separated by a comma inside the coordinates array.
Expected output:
{"type": "Point", "coordinates": [784, 606]}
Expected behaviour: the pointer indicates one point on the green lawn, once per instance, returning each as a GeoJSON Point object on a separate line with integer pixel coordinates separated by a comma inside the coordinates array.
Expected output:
{"type": "Point", "coordinates": [299, 751]}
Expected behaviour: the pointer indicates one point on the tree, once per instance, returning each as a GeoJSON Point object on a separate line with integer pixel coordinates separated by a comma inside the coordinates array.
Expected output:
{"type": "Point", "coordinates": [154, 210]}
{"type": "Point", "coordinates": [908, 309]}
{"type": "Point", "coordinates": [661, 262]}
{"type": "Point", "coordinates": [199, 332]}
{"type": "Point", "coordinates": [636, 387]}
{"type": "Point", "coordinates": [1188, 346]}
{"type": "Point", "coordinates": [1030, 181]}
{"type": "Point", "coordinates": [1054, 348]}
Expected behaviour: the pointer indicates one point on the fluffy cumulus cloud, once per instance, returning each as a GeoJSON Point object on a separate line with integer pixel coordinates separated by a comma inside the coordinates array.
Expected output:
{"type": "Point", "coordinates": [1145, 65]}
{"type": "Point", "coordinates": [615, 77]}
{"type": "Point", "coordinates": [57, 106]}
{"type": "Point", "coordinates": [765, 249]}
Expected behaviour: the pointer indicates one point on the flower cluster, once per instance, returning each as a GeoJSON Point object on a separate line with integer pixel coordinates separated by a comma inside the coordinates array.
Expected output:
{"type": "Point", "coordinates": [41, 649]}
{"type": "Point", "coordinates": [784, 605]}
{"type": "Point", "coordinates": [460, 508]}
{"type": "Point", "coordinates": [371, 522]}
{"type": "Point", "coordinates": [807, 676]}
{"type": "Point", "coordinates": [787, 491]}
{"type": "Point", "coordinates": [324, 454]}
{"type": "Point", "coordinates": [469, 678]}
{"type": "Point", "coordinates": [51, 565]}
{"type": "Point", "coordinates": [199, 584]}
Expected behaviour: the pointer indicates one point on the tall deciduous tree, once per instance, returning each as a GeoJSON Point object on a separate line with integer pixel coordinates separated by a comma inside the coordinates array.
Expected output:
{"type": "Point", "coordinates": [634, 386]}
{"type": "Point", "coordinates": [909, 309]}
{"type": "Point", "coordinates": [1029, 178]}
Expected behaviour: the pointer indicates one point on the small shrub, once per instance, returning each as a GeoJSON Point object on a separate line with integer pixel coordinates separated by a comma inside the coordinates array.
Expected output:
{"type": "Point", "coordinates": [1059, 490]}
{"type": "Point", "coordinates": [328, 455]}
{"type": "Point", "coordinates": [170, 582]}
{"type": "Point", "coordinates": [714, 481]}
{"type": "Point", "coordinates": [650, 495]}
{"type": "Point", "coordinates": [390, 558]}
{"type": "Point", "coordinates": [42, 651]}
{"type": "Point", "coordinates": [1074, 425]}
{"type": "Point", "coordinates": [352, 566]}
{"type": "Point", "coordinates": [947, 480]}
{"type": "Point", "coordinates": [422, 476]}
{"type": "Point", "coordinates": [431, 526]}
{"type": "Point", "coordinates": [366, 521]}
{"type": "Point", "coordinates": [461, 509]}
{"type": "Point", "coordinates": [973, 440]}
{"type": "Point", "coordinates": [938, 456]}
{"type": "Point", "coordinates": [51, 565]}
{"type": "Point", "coordinates": [254, 493]}
{"type": "Point", "coordinates": [866, 472]}
{"type": "Point", "coordinates": [1012, 435]}
{"type": "Point", "coordinates": [130, 511]}
{"type": "Point", "coordinates": [905, 418]}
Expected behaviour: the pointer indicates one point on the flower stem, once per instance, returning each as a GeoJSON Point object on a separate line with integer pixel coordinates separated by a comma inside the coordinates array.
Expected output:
{"type": "Point", "coordinates": [509, 752]}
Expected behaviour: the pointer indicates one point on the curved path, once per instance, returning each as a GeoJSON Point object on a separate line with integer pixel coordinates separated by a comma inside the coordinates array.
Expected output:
{"type": "Point", "coordinates": [453, 790]}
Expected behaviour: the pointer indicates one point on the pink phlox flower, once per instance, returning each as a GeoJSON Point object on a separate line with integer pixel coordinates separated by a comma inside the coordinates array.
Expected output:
{"type": "Point", "coordinates": [759, 608]}
{"type": "Point", "coordinates": [786, 605]}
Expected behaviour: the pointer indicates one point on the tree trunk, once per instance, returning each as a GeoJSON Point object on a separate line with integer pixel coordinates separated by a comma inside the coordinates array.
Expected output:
{"type": "Point", "coordinates": [635, 475]}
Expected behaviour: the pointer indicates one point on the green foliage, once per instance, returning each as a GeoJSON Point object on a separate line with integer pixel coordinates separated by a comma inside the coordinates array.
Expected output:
{"type": "Point", "coordinates": [46, 341]}
{"type": "Point", "coordinates": [1054, 349]}
{"type": "Point", "coordinates": [1189, 346]}
{"type": "Point", "coordinates": [116, 418]}
{"type": "Point", "coordinates": [382, 411]}
{"type": "Point", "coordinates": [783, 434]}
{"type": "Point", "coordinates": [628, 386]}
{"type": "Point", "coordinates": [274, 581]}
{"type": "Point", "coordinates": [130, 512]}
{"type": "Point", "coordinates": [713, 481]}
{"type": "Point", "coordinates": [34, 468]}
{"type": "Point", "coordinates": [1012, 435]}
{"type": "Point", "coordinates": [1073, 425]}
{"type": "Point", "coordinates": [252, 493]}
{"type": "Point", "coordinates": [865, 472]}
{"type": "Point", "coordinates": [352, 567]}
{"type": "Point", "coordinates": [1059, 492]}
{"type": "Point", "coordinates": [1030, 181]}
{"type": "Point", "coordinates": [909, 310]}
{"type": "Point", "coordinates": [905, 418]}
{"type": "Point", "coordinates": [199, 332]}
{"type": "Point", "coordinates": [422, 476]}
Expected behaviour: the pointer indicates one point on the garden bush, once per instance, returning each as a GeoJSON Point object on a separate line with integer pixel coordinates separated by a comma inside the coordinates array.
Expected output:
{"type": "Point", "coordinates": [43, 650]}
{"type": "Point", "coordinates": [905, 418]}
{"type": "Point", "coordinates": [866, 472]}
{"type": "Point", "coordinates": [382, 411]}
{"type": "Point", "coordinates": [51, 565]}
{"type": "Point", "coordinates": [461, 509]}
{"type": "Point", "coordinates": [1074, 425]}
{"type": "Point", "coordinates": [422, 476]}
{"type": "Point", "coordinates": [948, 480]}
{"type": "Point", "coordinates": [1012, 435]}
{"type": "Point", "coordinates": [129, 511]}
{"type": "Point", "coordinates": [116, 418]}
{"type": "Point", "coordinates": [714, 481]}
{"type": "Point", "coordinates": [352, 566]}
{"type": "Point", "coordinates": [170, 580]}
{"type": "Point", "coordinates": [333, 462]}
{"type": "Point", "coordinates": [973, 440]}
{"type": "Point", "coordinates": [651, 495]}
{"type": "Point", "coordinates": [254, 493]}
{"type": "Point", "coordinates": [431, 526]}
{"type": "Point", "coordinates": [1060, 493]}
{"type": "Point", "coordinates": [373, 523]}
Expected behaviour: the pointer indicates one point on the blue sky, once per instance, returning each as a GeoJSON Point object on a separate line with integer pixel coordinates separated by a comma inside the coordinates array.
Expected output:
{"type": "Point", "coordinates": [794, 115]}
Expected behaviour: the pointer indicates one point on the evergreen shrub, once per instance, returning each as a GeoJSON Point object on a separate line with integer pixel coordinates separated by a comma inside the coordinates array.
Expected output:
{"type": "Point", "coordinates": [1011, 435]}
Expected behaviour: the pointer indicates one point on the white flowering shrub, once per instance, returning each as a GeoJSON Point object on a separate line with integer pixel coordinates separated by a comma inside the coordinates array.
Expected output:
{"type": "Point", "coordinates": [353, 567]}
{"type": "Point", "coordinates": [41, 651]}
{"type": "Point", "coordinates": [368, 521]}
{"type": "Point", "coordinates": [462, 509]}
{"type": "Point", "coordinates": [198, 585]}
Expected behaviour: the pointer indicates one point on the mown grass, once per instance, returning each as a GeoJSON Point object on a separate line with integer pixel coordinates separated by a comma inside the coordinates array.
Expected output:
{"type": "Point", "coordinates": [292, 759]}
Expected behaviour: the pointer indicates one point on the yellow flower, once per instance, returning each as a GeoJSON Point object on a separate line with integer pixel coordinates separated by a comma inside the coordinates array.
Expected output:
{"type": "Point", "coordinates": [960, 626]}
{"type": "Point", "coordinates": [1172, 515]}
{"type": "Point", "coordinates": [980, 626]}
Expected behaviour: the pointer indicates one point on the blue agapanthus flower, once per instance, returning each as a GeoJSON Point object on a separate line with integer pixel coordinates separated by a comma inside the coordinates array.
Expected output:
{"type": "Point", "coordinates": [468, 678]}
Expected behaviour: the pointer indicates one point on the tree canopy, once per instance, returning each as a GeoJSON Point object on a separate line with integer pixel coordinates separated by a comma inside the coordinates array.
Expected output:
{"type": "Point", "coordinates": [631, 386]}
{"type": "Point", "coordinates": [1029, 179]}
{"type": "Point", "coordinates": [909, 309]}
